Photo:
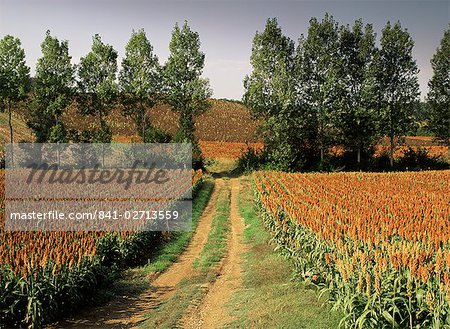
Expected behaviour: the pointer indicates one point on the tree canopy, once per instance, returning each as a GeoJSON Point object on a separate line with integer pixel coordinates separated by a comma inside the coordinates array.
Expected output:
{"type": "Point", "coordinates": [140, 79]}
{"type": "Point", "coordinates": [53, 90]}
{"type": "Point", "coordinates": [97, 84]}
{"type": "Point", "coordinates": [184, 88]}
{"type": "Point", "coordinates": [439, 91]}
{"type": "Point", "coordinates": [396, 82]}
{"type": "Point", "coordinates": [14, 76]}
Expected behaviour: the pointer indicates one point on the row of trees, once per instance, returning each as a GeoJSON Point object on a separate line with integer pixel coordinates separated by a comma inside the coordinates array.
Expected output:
{"type": "Point", "coordinates": [97, 86]}
{"type": "Point", "coordinates": [336, 87]}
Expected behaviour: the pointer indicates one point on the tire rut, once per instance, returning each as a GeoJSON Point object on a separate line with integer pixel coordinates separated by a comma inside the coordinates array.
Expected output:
{"type": "Point", "coordinates": [211, 311]}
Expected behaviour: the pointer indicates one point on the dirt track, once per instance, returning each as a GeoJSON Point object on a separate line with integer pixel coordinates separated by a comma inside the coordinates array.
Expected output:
{"type": "Point", "coordinates": [210, 311]}
{"type": "Point", "coordinates": [128, 311]}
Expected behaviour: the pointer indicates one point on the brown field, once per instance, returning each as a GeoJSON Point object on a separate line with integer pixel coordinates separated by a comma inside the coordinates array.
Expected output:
{"type": "Point", "coordinates": [224, 121]}
{"type": "Point", "coordinates": [226, 150]}
{"type": "Point", "coordinates": [226, 130]}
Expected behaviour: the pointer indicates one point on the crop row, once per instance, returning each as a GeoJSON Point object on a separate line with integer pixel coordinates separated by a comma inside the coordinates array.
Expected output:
{"type": "Point", "coordinates": [43, 274]}
{"type": "Point", "coordinates": [377, 244]}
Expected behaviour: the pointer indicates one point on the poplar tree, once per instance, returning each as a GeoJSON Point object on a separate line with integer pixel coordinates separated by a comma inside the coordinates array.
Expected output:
{"type": "Point", "coordinates": [14, 76]}
{"type": "Point", "coordinates": [397, 83]}
{"type": "Point", "coordinates": [356, 116]}
{"type": "Point", "coordinates": [439, 91]}
{"type": "Point", "coordinates": [53, 90]}
{"type": "Point", "coordinates": [139, 80]}
{"type": "Point", "coordinates": [184, 89]}
{"type": "Point", "coordinates": [97, 84]}
{"type": "Point", "coordinates": [319, 78]}
{"type": "Point", "coordinates": [270, 93]}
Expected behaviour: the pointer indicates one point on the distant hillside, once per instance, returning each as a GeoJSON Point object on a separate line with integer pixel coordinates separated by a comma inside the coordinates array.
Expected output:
{"type": "Point", "coordinates": [20, 130]}
{"type": "Point", "coordinates": [225, 121]}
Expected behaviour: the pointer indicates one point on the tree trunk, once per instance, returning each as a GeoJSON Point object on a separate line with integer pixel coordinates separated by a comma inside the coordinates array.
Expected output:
{"type": "Point", "coordinates": [358, 159]}
{"type": "Point", "coordinates": [143, 128]}
{"type": "Point", "coordinates": [322, 154]}
{"type": "Point", "coordinates": [187, 126]}
{"type": "Point", "coordinates": [391, 151]}
{"type": "Point", "coordinates": [10, 134]}
{"type": "Point", "coordinates": [100, 119]}
{"type": "Point", "coordinates": [143, 122]}
{"type": "Point", "coordinates": [10, 122]}
{"type": "Point", "coordinates": [391, 137]}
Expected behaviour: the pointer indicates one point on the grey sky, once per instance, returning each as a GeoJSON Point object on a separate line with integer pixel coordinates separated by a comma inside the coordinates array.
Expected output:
{"type": "Point", "coordinates": [226, 28]}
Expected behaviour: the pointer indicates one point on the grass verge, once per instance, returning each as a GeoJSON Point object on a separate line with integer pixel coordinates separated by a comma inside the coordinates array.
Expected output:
{"type": "Point", "coordinates": [270, 298]}
{"type": "Point", "coordinates": [168, 313]}
{"type": "Point", "coordinates": [215, 248]}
